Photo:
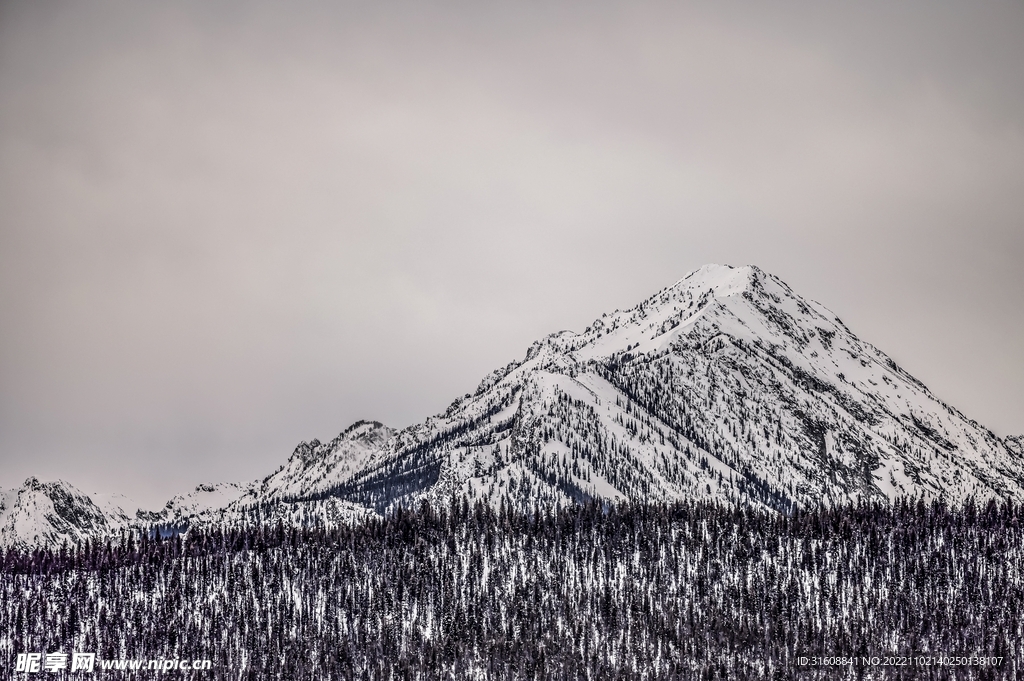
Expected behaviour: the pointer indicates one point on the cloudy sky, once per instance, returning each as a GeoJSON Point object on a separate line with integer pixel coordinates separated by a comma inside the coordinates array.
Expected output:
{"type": "Point", "coordinates": [227, 227]}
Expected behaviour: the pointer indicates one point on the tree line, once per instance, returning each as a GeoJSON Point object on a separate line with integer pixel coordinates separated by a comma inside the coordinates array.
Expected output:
{"type": "Point", "coordinates": [689, 590]}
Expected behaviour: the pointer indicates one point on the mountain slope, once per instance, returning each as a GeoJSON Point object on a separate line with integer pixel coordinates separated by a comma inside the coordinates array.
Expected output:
{"type": "Point", "coordinates": [49, 513]}
{"type": "Point", "coordinates": [293, 494]}
{"type": "Point", "coordinates": [725, 385]}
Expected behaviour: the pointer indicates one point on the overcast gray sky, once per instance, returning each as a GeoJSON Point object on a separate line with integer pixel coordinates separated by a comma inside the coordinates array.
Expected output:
{"type": "Point", "coordinates": [227, 227]}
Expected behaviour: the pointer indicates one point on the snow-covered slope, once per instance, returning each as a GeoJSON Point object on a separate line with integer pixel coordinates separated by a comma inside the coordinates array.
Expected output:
{"type": "Point", "coordinates": [298, 493]}
{"type": "Point", "coordinates": [199, 509]}
{"type": "Point", "coordinates": [314, 469]}
{"type": "Point", "coordinates": [726, 385]}
{"type": "Point", "coordinates": [49, 513]}
{"type": "Point", "coordinates": [203, 500]}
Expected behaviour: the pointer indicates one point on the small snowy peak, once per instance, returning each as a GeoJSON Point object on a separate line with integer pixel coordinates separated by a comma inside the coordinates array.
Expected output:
{"type": "Point", "coordinates": [50, 513]}
{"type": "Point", "coordinates": [315, 468]}
{"type": "Point", "coordinates": [203, 499]}
{"type": "Point", "coordinates": [367, 431]}
{"type": "Point", "coordinates": [312, 470]}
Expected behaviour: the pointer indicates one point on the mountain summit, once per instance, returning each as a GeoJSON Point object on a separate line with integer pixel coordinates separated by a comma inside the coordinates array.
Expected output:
{"type": "Point", "coordinates": [725, 386]}
{"type": "Point", "coordinates": [48, 513]}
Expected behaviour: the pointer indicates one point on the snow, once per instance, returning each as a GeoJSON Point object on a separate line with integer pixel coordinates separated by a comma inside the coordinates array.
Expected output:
{"type": "Point", "coordinates": [206, 498]}
{"type": "Point", "coordinates": [49, 513]}
{"type": "Point", "coordinates": [726, 385]}
{"type": "Point", "coordinates": [745, 317]}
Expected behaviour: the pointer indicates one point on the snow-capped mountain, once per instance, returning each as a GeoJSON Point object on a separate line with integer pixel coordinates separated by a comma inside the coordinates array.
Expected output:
{"type": "Point", "coordinates": [726, 385]}
{"type": "Point", "coordinates": [49, 513]}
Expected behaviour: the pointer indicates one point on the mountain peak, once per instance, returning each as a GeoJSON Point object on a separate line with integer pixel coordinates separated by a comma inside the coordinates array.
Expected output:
{"type": "Point", "coordinates": [51, 512]}
{"type": "Point", "coordinates": [315, 467]}
{"type": "Point", "coordinates": [722, 280]}
{"type": "Point", "coordinates": [726, 386]}
{"type": "Point", "coordinates": [365, 429]}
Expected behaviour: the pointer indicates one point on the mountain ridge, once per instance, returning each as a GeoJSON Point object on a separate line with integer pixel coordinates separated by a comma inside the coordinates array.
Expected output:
{"type": "Point", "coordinates": [726, 385]}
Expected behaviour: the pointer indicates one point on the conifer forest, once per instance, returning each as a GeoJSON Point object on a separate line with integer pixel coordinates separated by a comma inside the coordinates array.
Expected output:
{"type": "Point", "coordinates": [693, 590]}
